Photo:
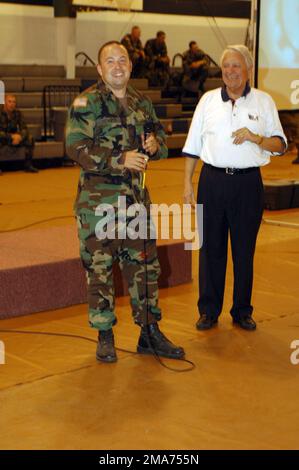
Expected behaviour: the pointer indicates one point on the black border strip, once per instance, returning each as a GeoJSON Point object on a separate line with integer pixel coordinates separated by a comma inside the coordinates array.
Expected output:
{"type": "Point", "coordinates": [257, 43]}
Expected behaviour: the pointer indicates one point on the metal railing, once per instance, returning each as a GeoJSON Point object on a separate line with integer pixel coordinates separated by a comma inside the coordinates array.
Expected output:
{"type": "Point", "coordinates": [56, 96]}
{"type": "Point", "coordinates": [86, 58]}
{"type": "Point", "coordinates": [175, 57]}
{"type": "Point", "coordinates": [212, 61]}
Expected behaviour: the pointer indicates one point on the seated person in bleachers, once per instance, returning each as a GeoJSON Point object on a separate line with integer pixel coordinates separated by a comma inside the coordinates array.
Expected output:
{"type": "Point", "coordinates": [196, 67]}
{"type": "Point", "coordinates": [158, 60]}
{"type": "Point", "coordinates": [135, 49]}
{"type": "Point", "coordinates": [14, 134]}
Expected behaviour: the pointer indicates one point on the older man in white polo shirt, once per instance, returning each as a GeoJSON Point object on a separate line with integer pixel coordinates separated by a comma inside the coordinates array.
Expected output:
{"type": "Point", "coordinates": [234, 131]}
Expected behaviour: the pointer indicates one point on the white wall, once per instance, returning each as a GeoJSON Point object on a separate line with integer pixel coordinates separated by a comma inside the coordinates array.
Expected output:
{"type": "Point", "coordinates": [28, 34]}
{"type": "Point", "coordinates": [96, 28]}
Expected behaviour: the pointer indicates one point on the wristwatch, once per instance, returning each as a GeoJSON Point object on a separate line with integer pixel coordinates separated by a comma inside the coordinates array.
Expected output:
{"type": "Point", "coordinates": [261, 138]}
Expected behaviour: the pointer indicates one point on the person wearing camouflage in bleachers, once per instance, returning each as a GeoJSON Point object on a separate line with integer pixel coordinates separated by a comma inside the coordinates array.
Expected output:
{"type": "Point", "coordinates": [105, 128]}
{"type": "Point", "coordinates": [157, 60]}
{"type": "Point", "coordinates": [14, 135]}
{"type": "Point", "coordinates": [136, 53]}
{"type": "Point", "coordinates": [196, 68]}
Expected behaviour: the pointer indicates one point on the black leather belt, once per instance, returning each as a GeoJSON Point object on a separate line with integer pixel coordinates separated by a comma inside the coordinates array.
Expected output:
{"type": "Point", "coordinates": [233, 171]}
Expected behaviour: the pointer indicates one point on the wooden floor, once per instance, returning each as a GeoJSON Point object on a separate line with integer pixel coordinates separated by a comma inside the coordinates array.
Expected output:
{"type": "Point", "coordinates": [243, 392]}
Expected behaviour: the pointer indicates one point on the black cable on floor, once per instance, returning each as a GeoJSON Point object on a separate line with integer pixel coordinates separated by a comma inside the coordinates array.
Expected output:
{"type": "Point", "coordinates": [66, 335]}
{"type": "Point", "coordinates": [148, 224]}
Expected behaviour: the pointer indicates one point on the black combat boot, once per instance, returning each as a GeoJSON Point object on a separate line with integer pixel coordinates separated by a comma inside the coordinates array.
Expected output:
{"type": "Point", "coordinates": [152, 341]}
{"type": "Point", "coordinates": [105, 349]}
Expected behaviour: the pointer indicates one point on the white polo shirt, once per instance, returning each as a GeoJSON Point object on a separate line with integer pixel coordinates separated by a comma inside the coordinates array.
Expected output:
{"type": "Point", "coordinates": [215, 119]}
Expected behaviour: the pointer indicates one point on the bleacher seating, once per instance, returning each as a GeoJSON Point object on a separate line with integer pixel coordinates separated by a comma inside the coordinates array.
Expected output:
{"type": "Point", "coordinates": [211, 83]}
{"type": "Point", "coordinates": [56, 71]}
{"type": "Point", "coordinates": [39, 83]}
{"type": "Point", "coordinates": [27, 82]}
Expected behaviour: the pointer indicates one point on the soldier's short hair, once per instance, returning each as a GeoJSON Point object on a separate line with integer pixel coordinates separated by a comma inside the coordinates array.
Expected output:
{"type": "Point", "coordinates": [160, 33]}
{"type": "Point", "coordinates": [109, 43]}
{"type": "Point", "coordinates": [10, 95]}
{"type": "Point", "coordinates": [191, 43]}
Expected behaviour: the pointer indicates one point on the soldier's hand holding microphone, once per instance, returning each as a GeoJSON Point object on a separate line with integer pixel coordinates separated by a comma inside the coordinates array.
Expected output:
{"type": "Point", "coordinates": [137, 159]}
{"type": "Point", "coordinates": [134, 160]}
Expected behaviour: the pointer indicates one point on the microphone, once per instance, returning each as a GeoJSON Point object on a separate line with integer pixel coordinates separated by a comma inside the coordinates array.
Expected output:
{"type": "Point", "coordinates": [148, 129]}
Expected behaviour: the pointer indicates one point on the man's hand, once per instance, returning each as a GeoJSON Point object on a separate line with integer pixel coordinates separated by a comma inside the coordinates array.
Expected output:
{"type": "Point", "coordinates": [271, 144]}
{"type": "Point", "coordinates": [16, 139]}
{"type": "Point", "coordinates": [242, 135]}
{"type": "Point", "coordinates": [197, 64]}
{"type": "Point", "coordinates": [151, 144]}
{"type": "Point", "coordinates": [165, 59]}
{"type": "Point", "coordinates": [189, 194]}
{"type": "Point", "coordinates": [133, 160]}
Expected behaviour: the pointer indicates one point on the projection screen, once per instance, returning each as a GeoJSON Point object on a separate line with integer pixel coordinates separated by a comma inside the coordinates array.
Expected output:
{"type": "Point", "coordinates": [277, 54]}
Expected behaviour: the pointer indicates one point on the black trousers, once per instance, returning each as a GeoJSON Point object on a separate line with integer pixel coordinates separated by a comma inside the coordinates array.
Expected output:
{"type": "Point", "coordinates": [232, 205]}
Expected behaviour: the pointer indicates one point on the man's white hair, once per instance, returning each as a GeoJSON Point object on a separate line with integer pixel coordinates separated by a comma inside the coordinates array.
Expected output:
{"type": "Point", "coordinates": [243, 50]}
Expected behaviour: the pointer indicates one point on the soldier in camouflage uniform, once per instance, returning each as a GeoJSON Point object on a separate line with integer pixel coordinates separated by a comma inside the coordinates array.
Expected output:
{"type": "Point", "coordinates": [158, 60]}
{"type": "Point", "coordinates": [14, 135]}
{"type": "Point", "coordinates": [196, 68]}
{"type": "Point", "coordinates": [136, 52]}
{"type": "Point", "coordinates": [104, 131]}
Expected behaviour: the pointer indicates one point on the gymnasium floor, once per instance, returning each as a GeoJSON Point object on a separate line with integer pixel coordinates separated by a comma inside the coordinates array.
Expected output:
{"type": "Point", "coordinates": [243, 392]}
